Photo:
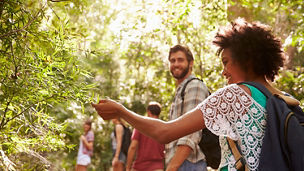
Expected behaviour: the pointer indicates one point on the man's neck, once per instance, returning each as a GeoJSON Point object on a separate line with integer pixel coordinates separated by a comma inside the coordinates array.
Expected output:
{"type": "Point", "coordinates": [152, 116]}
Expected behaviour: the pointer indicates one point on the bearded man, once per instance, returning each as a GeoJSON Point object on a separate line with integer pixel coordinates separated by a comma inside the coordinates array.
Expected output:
{"type": "Point", "coordinates": [184, 154]}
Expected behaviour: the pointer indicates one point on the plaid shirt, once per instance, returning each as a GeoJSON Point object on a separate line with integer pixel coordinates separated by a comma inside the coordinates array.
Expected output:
{"type": "Point", "coordinates": [195, 93]}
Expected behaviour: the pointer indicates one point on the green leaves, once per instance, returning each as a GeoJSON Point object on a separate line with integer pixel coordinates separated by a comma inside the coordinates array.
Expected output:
{"type": "Point", "coordinates": [39, 70]}
{"type": "Point", "coordinates": [57, 57]}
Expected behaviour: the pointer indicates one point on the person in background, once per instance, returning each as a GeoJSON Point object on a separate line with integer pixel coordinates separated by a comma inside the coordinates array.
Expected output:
{"type": "Point", "coordinates": [184, 154]}
{"type": "Point", "coordinates": [249, 52]}
{"type": "Point", "coordinates": [85, 150]}
{"type": "Point", "coordinates": [149, 153]}
{"type": "Point", "coordinates": [119, 158]}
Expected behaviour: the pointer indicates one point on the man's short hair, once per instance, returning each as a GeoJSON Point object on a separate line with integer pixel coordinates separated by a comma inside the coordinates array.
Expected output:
{"type": "Point", "coordinates": [184, 49]}
{"type": "Point", "coordinates": [154, 108]}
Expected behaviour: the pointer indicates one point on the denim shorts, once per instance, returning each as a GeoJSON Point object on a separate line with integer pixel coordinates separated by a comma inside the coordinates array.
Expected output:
{"type": "Point", "coordinates": [83, 160]}
{"type": "Point", "coordinates": [189, 166]}
{"type": "Point", "coordinates": [122, 157]}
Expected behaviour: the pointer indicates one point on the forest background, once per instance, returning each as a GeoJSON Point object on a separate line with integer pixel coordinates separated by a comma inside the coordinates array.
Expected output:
{"type": "Point", "coordinates": [57, 56]}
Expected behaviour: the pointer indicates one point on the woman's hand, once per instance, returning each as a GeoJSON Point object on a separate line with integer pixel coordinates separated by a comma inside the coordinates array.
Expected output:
{"type": "Point", "coordinates": [115, 162]}
{"type": "Point", "coordinates": [108, 109]}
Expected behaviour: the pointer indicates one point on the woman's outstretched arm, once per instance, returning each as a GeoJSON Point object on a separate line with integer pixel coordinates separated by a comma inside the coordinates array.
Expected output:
{"type": "Point", "coordinates": [159, 130]}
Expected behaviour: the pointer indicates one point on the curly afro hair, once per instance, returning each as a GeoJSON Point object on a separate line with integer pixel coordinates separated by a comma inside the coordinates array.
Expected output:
{"type": "Point", "coordinates": [253, 45]}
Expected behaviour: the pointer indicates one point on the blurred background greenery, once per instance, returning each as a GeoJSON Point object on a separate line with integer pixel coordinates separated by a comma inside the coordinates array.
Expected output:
{"type": "Point", "coordinates": [57, 56]}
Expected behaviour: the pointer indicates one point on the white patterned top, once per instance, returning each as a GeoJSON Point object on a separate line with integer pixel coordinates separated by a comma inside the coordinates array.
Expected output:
{"type": "Point", "coordinates": [231, 112]}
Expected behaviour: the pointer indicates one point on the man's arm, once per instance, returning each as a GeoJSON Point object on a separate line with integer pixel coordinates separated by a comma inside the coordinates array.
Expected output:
{"type": "Point", "coordinates": [181, 154]}
{"type": "Point", "coordinates": [195, 93]}
{"type": "Point", "coordinates": [131, 154]}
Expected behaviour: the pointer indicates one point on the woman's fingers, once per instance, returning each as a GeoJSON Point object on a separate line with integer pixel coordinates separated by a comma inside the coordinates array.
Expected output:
{"type": "Point", "coordinates": [106, 109]}
{"type": "Point", "coordinates": [102, 101]}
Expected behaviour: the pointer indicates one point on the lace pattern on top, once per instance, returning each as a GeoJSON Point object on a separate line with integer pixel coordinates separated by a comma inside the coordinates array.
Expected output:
{"type": "Point", "coordinates": [231, 112]}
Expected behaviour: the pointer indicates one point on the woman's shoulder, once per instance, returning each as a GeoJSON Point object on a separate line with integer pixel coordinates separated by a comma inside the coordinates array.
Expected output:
{"type": "Point", "coordinates": [231, 95]}
{"type": "Point", "coordinates": [90, 135]}
{"type": "Point", "coordinates": [90, 132]}
{"type": "Point", "coordinates": [232, 88]}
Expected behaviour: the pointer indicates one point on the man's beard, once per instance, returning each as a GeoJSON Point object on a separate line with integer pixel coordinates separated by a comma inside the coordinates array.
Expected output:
{"type": "Point", "coordinates": [182, 75]}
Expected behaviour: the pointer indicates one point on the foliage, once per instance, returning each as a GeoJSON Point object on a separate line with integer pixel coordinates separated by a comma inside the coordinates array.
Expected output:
{"type": "Point", "coordinates": [292, 82]}
{"type": "Point", "coordinates": [38, 70]}
{"type": "Point", "coordinates": [58, 56]}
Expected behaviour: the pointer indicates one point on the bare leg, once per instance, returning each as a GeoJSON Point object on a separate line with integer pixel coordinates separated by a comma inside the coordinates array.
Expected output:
{"type": "Point", "coordinates": [119, 166]}
{"type": "Point", "coordinates": [81, 168]}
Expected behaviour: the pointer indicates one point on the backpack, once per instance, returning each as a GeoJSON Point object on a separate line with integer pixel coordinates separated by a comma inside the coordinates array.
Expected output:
{"type": "Point", "coordinates": [209, 143]}
{"type": "Point", "coordinates": [283, 142]}
{"type": "Point", "coordinates": [126, 140]}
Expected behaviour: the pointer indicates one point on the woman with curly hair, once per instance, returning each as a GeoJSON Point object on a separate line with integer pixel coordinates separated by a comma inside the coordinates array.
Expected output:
{"type": "Point", "coordinates": [249, 52]}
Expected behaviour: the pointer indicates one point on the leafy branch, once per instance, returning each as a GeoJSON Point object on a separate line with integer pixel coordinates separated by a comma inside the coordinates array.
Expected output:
{"type": "Point", "coordinates": [4, 115]}
{"type": "Point", "coordinates": [23, 28]}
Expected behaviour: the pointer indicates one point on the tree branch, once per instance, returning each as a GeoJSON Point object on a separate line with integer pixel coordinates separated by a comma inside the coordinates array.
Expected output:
{"type": "Point", "coordinates": [8, 120]}
{"type": "Point", "coordinates": [14, 60]}
{"type": "Point", "coordinates": [4, 115]}
{"type": "Point", "coordinates": [22, 29]}
{"type": "Point", "coordinates": [54, 12]}
{"type": "Point", "coordinates": [1, 7]}
{"type": "Point", "coordinates": [18, 114]}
